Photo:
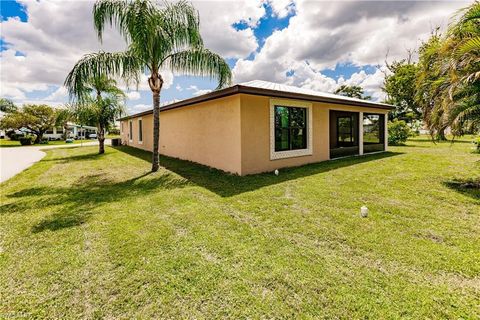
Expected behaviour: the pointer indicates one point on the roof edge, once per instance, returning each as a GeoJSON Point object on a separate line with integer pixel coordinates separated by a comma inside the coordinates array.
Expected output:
{"type": "Point", "coordinates": [262, 92]}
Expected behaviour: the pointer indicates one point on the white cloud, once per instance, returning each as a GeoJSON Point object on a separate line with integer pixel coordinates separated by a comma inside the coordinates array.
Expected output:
{"type": "Point", "coordinates": [179, 87]}
{"type": "Point", "coordinates": [133, 95]}
{"type": "Point", "coordinates": [201, 91]}
{"type": "Point", "coordinates": [216, 20]}
{"type": "Point", "coordinates": [58, 95]}
{"type": "Point", "coordinates": [323, 34]}
{"type": "Point", "coordinates": [197, 91]}
{"type": "Point", "coordinates": [282, 8]}
{"type": "Point", "coordinates": [58, 33]}
{"type": "Point", "coordinates": [371, 83]}
{"type": "Point", "coordinates": [52, 41]}
{"type": "Point", "coordinates": [138, 108]}
{"type": "Point", "coordinates": [320, 35]}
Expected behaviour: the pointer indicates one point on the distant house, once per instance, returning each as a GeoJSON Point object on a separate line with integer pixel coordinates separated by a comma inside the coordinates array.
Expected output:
{"type": "Point", "coordinates": [72, 130]}
{"type": "Point", "coordinates": [261, 126]}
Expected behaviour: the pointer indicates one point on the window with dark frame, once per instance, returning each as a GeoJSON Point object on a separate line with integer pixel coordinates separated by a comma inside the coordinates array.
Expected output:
{"type": "Point", "coordinates": [345, 134]}
{"type": "Point", "coordinates": [140, 130]}
{"type": "Point", "coordinates": [290, 128]}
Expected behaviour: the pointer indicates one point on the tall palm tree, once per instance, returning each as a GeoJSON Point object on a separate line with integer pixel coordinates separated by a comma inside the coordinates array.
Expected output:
{"type": "Point", "coordinates": [159, 37]}
{"type": "Point", "coordinates": [463, 42]}
{"type": "Point", "coordinates": [448, 79]}
{"type": "Point", "coordinates": [100, 102]}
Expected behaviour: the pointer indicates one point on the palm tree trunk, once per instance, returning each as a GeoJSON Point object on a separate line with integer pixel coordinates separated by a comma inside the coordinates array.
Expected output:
{"type": "Point", "coordinates": [101, 139]}
{"type": "Point", "coordinates": [100, 129]}
{"type": "Point", "coordinates": [441, 134]}
{"type": "Point", "coordinates": [155, 82]}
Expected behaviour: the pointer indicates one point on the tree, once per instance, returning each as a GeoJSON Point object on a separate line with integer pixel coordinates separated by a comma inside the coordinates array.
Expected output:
{"type": "Point", "coordinates": [399, 85]}
{"type": "Point", "coordinates": [7, 106]}
{"type": "Point", "coordinates": [158, 38]}
{"type": "Point", "coordinates": [431, 79]}
{"type": "Point", "coordinates": [101, 103]}
{"type": "Point", "coordinates": [462, 46]}
{"type": "Point", "coordinates": [64, 116]}
{"type": "Point", "coordinates": [448, 77]}
{"type": "Point", "coordinates": [352, 92]}
{"type": "Point", "coordinates": [36, 118]}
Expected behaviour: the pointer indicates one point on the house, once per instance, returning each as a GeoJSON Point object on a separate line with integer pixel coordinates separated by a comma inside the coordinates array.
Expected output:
{"type": "Point", "coordinates": [260, 126]}
{"type": "Point", "coordinates": [71, 130]}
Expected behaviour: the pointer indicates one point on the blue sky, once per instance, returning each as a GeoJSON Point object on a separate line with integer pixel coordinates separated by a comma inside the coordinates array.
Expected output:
{"type": "Point", "coordinates": [318, 45]}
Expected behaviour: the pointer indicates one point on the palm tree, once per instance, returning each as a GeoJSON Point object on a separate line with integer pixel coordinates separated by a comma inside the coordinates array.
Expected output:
{"type": "Point", "coordinates": [158, 38]}
{"type": "Point", "coordinates": [463, 42]}
{"type": "Point", "coordinates": [448, 78]}
{"type": "Point", "coordinates": [99, 103]}
{"type": "Point", "coordinates": [64, 116]}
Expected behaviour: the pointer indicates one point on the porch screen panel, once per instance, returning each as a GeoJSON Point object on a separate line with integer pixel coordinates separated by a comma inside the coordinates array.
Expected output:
{"type": "Point", "coordinates": [373, 132]}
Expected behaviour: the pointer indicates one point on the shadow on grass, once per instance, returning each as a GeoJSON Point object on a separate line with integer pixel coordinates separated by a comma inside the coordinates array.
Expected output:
{"type": "Point", "coordinates": [82, 157]}
{"type": "Point", "coordinates": [227, 185]}
{"type": "Point", "coordinates": [76, 203]}
{"type": "Point", "coordinates": [460, 140]}
{"type": "Point", "coordinates": [468, 187]}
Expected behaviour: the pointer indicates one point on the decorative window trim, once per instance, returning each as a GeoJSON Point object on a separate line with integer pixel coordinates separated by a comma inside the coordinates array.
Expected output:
{"type": "Point", "coordinates": [138, 129]}
{"type": "Point", "coordinates": [275, 155]}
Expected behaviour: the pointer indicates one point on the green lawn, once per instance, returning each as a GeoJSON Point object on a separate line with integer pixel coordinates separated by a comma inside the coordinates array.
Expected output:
{"type": "Point", "coordinates": [88, 236]}
{"type": "Point", "coordinates": [5, 143]}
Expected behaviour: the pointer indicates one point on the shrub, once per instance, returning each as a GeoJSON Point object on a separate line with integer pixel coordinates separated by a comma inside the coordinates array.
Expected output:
{"type": "Point", "coordinates": [114, 131]}
{"type": "Point", "coordinates": [476, 142]}
{"type": "Point", "coordinates": [13, 136]}
{"type": "Point", "coordinates": [398, 132]}
{"type": "Point", "coordinates": [44, 141]}
{"type": "Point", "coordinates": [27, 140]}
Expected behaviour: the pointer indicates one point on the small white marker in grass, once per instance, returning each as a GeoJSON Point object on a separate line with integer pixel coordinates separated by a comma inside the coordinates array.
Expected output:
{"type": "Point", "coordinates": [276, 172]}
{"type": "Point", "coordinates": [363, 211]}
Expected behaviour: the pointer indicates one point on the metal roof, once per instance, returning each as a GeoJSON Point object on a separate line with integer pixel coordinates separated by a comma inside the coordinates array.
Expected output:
{"type": "Point", "coordinates": [266, 88]}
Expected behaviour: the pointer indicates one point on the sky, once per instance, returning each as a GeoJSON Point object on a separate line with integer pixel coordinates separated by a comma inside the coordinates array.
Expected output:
{"type": "Point", "coordinates": [318, 45]}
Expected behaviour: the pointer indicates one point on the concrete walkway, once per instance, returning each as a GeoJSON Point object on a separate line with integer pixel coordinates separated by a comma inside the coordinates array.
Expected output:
{"type": "Point", "coordinates": [14, 160]}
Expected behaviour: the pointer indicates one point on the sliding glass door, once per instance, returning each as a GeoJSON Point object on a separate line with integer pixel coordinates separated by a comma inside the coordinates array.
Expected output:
{"type": "Point", "coordinates": [343, 134]}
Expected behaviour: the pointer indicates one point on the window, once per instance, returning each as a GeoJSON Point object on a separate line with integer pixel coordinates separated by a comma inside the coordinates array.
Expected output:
{"type": "Point", "coordinates": [345, 136]}
{"type": "Point", "coordinates": [140, 130]}
{"type": "Point", "coordinates": [130, 129]}
{"type": "Point", "coordinates": [290, 128]}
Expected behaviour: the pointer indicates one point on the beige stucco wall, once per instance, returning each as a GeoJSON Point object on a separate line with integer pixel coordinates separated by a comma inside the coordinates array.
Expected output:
{"type": "Point", "coordinates": [231, 133]}
{"type": "Point", "coordinates": [207, 133]}
{"type": "Point", "coordinates": [147, 124]}
{"type": "Point", "coordinates": [255, 124]}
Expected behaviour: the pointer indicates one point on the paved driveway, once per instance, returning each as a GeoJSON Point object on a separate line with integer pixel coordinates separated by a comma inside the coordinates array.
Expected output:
{"type": "Point", "coordinates": [14, 160]}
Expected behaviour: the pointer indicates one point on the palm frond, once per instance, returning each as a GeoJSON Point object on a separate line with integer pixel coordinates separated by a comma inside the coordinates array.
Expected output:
{"type": "Point", "coordinates": [95, 65]}
{"type": "Point", "coordinates": [181, 21]}
{"type": "Point", "coordinates": [200, 62]}
{"type": "Point", "coordinates": [472, 13]}
{"type": "Point", "coordinates": [471, 46]}
{"type": "Point", "coordinates": [112, 12]}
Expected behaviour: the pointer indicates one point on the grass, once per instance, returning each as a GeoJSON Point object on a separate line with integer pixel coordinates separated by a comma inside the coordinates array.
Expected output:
{"type": "Point", "coordinates": [89, 236]}
{"type": "Point", "coordinates": [6, 143]}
